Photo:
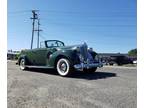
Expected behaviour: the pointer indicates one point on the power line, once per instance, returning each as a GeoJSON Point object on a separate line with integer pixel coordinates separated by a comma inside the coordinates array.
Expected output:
{"type": "Point", "coordinates": [88, 13]}
{"type": "Point", "coordinates": [93, 25]}
{"type": "Point", "coordinates": [84, 12]}
{"type": "Point", "coordinates": [42, 37]}
{"type": "Point", "coordinates": [113, 13]}
{"type": "Point", "coordinates": [19, 12]}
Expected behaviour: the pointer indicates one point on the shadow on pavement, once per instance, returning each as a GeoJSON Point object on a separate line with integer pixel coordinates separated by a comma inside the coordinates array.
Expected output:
{"type": "Point", "coordinates": [77, 74]}
{"type": "Point", "coordinates": [92, 76]}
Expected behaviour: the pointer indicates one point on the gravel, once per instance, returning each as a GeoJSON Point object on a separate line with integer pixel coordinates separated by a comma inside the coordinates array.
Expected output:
{"type": "Point", "coordinates": [108, 87]}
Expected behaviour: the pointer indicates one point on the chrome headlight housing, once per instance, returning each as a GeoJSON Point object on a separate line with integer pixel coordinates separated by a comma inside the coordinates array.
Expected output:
{"type": "Point", "coordinates": [97, 58]}
{"type": "Point", "coordinates": [90, 49]}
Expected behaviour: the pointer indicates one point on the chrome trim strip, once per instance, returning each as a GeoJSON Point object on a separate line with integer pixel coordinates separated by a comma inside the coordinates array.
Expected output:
{"type": "Point", "coordinates": [44, 67]}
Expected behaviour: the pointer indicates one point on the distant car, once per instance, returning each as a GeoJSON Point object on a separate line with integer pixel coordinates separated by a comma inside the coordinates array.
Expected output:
{"type": "Point", "coordinates": [119, 60]}
{"type": "Point", "coordinates": [65, 59]}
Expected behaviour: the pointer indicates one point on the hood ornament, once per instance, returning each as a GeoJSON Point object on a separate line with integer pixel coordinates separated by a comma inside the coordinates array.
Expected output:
{"type": "Point", "coordinates": [85, 44]}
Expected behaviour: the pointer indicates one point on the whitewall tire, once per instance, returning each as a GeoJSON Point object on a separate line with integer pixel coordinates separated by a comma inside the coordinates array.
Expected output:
{"type": "Point", "coordinates": [63, 67]}
{"type": "Point", "coordinates": [22, 64]}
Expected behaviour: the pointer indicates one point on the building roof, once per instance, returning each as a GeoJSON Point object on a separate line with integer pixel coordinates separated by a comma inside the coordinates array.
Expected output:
{"type": "Point", "coordinates": [13, 52]}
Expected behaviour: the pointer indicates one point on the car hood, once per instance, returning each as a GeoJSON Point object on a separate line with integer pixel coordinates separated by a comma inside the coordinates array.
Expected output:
{"type": "Point", "coordinates": [67, 47]}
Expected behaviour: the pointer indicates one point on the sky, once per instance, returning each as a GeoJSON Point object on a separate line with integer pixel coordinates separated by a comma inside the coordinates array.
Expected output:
{"type": "Point", "coordinates": [108, 26]}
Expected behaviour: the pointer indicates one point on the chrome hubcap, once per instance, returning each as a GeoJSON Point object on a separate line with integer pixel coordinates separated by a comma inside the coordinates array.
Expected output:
{"type": "Point", "coordinates": [22, 64]}
{"type": "Point", "coordinates": [63, 67]}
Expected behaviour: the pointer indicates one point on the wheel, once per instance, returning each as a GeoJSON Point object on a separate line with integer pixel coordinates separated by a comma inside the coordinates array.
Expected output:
{"type": "Point", "coordinates": [22, 64]}
{"type": "Point", "coordinates": [90, 70]}
{"type": "Point", "coordinates": [64, 67]}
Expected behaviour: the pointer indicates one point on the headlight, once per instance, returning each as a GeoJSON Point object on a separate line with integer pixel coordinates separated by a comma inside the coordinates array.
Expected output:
{"type": "Point", "coordinates": [90, 49]}
{"type": "Point", "coordinates": [96, 58]}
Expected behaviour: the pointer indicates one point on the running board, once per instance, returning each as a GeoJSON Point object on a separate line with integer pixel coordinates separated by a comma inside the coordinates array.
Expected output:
{"type": "Point", "coordinates": [44, 67]}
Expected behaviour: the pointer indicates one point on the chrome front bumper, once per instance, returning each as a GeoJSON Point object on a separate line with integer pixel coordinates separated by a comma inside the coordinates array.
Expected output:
{"type": "Point", "coordinates": [90, 65]}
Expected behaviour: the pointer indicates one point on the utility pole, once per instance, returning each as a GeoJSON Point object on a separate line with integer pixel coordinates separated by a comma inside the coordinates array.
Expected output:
{"type": "Point", "coordinates": [38, 30]}
{"type": "Point", "coordinates": [35, 16]}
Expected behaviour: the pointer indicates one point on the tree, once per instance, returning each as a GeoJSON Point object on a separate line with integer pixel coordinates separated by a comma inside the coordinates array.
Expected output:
{"type": "Point", "coordinates": [17, 56]}
{"type": "Point", "coordinates": [132, 52]}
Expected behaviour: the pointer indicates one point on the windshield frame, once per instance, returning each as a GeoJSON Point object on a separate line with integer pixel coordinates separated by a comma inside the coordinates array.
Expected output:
{"type": "Point", "coordinates": [54, 41]}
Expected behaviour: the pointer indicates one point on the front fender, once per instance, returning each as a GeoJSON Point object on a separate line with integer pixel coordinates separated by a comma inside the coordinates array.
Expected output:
{"type": "Point", "coordinates": [69, 54]}
{"type": "Point", "coordinates": [93, 53]}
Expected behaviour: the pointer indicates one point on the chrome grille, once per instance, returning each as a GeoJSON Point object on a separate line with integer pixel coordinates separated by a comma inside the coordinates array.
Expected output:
{"type": "Point", "coordinates": [84, 51]}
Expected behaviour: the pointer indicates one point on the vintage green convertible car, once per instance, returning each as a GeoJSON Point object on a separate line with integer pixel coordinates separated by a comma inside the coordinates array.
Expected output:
{"type": "Point", "coordinates": [65, 59]}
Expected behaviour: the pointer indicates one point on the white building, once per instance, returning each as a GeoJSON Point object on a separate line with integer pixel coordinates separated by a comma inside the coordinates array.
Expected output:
{"type": "Point", "coordinates": [12, 54]}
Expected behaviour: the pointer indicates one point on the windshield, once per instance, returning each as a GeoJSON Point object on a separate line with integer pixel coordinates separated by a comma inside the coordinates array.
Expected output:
{"type": "Point", "coordinates": [54, 43]}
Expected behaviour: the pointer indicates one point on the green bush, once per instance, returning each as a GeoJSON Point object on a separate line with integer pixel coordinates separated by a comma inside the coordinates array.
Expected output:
{"type": "Point", "coordinates": [132, 52]}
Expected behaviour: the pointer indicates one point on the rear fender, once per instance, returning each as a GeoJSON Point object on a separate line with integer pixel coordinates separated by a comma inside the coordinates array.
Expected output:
{"type": "Point", "coordinates": [22, 57]}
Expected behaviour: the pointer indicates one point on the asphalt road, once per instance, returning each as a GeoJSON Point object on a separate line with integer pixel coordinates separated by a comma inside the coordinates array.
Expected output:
{"type": "Point", "coordinates": [107, 88]}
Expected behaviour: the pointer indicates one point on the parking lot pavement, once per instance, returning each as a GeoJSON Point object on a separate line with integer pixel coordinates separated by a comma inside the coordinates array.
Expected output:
{"type": "Point", "coordinates": [120, 67]}
{"type": "Point", "coordinates": [107, 88]}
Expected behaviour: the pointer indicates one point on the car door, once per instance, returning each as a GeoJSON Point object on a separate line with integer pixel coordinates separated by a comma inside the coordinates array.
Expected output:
{"type": "Point", "coordinates": [40, 56]}
{"type": "Point", "coordinates": [30, 54]}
